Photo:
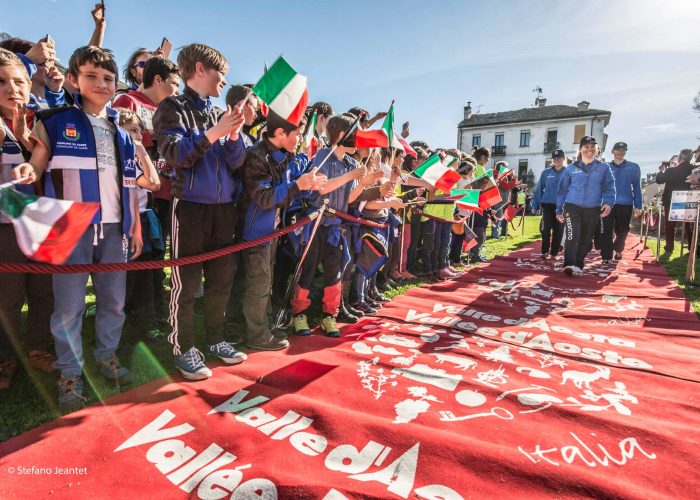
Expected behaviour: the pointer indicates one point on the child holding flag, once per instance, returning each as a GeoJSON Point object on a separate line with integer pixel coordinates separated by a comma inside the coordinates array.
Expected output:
{"type": "Point", "coordinates": [89, 159]}
{"type": "Point", "coordinates": [329, 243]}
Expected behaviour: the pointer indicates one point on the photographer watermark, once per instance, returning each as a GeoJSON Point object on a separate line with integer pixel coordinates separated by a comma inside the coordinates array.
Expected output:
{"type": "Point", "coordinates": [33, 470]}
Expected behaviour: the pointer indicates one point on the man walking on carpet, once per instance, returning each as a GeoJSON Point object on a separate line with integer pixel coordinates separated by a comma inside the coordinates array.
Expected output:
{"type": "Point", "coordinates": [628, 202]}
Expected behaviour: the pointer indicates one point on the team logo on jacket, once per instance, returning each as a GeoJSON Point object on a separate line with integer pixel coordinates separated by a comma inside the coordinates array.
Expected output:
{"type": "Point", "coordinates": [71, 132]}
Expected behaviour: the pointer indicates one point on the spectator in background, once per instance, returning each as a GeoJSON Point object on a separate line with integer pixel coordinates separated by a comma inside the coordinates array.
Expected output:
{"type": "Point", "coordinates": [674, 179]}
{"type": "Point", "coordinates": [40, 60]}
{"type": "Point", "coordinates": [133, 71]}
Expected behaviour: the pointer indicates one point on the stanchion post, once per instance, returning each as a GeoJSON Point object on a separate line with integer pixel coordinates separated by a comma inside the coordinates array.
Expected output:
{"type": "Point", "coordinates": [693, 250]}
{"type": "Point", "coordinates": [646, 231]}
{"type": "Point", "coordinates": [658, 232]}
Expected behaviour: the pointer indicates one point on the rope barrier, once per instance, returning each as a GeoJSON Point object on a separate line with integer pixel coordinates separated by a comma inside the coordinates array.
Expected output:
{"type": "Point", "coordinates": [350, 218]}
{"type": "Point", "coordinates": [36, 268]}
{"type": "Point", "coordinates": [32, 268]}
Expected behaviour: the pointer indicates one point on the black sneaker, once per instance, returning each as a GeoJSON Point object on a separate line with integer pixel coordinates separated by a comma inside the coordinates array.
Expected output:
{"type": "Point", "coordinates": [618, 256]}
{"type": "Point", "coordinates": [273, 344]}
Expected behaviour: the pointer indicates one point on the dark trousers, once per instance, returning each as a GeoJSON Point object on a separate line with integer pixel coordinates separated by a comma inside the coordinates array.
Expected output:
{"type": "Point", "coordinates": [331, 259]}
{"type": "Point", "coordinates": [443, 230]}
{"type": "Point", "coordinates": [550, 229]}
{"type": "Point", "coordinates": [258, 263]}
{"type": "Point", "coordinates": [617, 224]}
{"type": "Point", "coordinates": [416, 229]}
{"type": "Point", "coordinates": [162, 209]}
{"type": "Point", "coordinates": [428, 247]}
{"type": "Point", "coordinates": [198, 228]}
{"type": "Point", "coordinates": [580, 224]}
{"type": "Point", "coordinates": [456, 247]}
{"type": "Point", "coordinates": [15, 288]}
{"type": "Point", "coordinates": [480, 233]}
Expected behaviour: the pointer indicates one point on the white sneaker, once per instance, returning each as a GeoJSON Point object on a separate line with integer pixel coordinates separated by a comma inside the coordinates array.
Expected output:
{"type": "Point", "coordinates": [577, 271]}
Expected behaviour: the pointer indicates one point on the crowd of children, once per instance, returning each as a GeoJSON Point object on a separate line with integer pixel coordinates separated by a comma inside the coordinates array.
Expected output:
{"type": "Point", "coordinates": [175, 176]}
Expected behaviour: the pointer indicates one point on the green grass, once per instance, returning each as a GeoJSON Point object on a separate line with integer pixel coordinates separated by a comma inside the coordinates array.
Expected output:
{"type": "Point", "coordinates": [32, 399]}
{"type": "Point", "coordinates": [676, 266]}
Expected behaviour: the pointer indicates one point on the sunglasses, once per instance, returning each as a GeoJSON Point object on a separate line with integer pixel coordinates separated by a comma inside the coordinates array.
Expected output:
{"type": "Point", "coordinates": [139, 64]}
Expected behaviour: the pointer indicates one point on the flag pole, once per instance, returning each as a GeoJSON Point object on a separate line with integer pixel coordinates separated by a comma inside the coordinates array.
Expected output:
{"type": "Point", "coordinates": [8, 185]}
{"type": "Point", "coordinates": [279, 320]}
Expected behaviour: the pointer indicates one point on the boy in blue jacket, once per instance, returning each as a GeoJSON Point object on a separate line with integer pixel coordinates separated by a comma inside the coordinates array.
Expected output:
{"type": "Point", "coordinates": [586, 192]}
{"type": "Point", "coordinates": [204, 146]}
{"type": "Point", "coordinates": [89, 158]}
{"type": "Point", "coordinates": [546, 198]}
{"type": "Point", "coordinates": [628, 202]}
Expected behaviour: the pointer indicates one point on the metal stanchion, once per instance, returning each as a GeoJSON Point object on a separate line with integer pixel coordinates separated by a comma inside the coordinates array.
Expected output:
{"type": "Point", "coordinates": [646, 230]}
{"type": "Point", "coordinates": [658, 232]}
{"type": "Point", "coordinates": [693, 251]}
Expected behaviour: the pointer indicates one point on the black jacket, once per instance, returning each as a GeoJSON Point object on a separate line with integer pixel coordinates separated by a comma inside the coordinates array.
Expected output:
{"type": "Point", "coordinates": [675, 180]}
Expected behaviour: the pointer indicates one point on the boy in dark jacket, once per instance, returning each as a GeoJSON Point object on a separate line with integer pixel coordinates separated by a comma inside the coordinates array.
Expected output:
{"type": "Point", "coordinates": [269, 187]}
{"type": "Point", "coordinates": [204, 147]}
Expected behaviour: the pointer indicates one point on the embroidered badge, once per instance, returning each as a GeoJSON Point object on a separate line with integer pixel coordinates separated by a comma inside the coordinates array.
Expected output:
{"type": "Point", "coordinates": [71, 132]}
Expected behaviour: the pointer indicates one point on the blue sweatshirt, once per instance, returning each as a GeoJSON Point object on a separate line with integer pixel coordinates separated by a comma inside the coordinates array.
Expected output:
{"type": "Point", "coordinates": [586, 186]}
{"type": "Point", "coordinates": [628, 185]}
{"type": "Point", "coordinates": [204, 172]}
{"type": "Point", "coordinates": [546, 190]}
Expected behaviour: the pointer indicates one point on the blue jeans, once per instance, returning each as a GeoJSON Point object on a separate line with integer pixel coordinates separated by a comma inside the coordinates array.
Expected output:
{"type": "Point", "coordinates": [69, 302]}
{"type": "Point", "coordinates": [443, 235]}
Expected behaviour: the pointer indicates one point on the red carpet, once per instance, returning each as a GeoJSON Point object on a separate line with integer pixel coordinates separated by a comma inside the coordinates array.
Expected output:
{"type": "Point", "coordinates": [513, 381]}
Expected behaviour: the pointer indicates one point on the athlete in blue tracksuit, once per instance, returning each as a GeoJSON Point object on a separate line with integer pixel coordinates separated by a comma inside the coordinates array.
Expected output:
{"type": "Point", "coordinates": [586, 191]}
{"type": "Point", "coordinates": [628, 201]}
{"type": "Point", "coordinates": [546, 199]}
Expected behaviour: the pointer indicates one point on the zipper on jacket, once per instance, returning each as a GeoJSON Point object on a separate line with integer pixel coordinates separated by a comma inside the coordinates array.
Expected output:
{"type": "Point", "coordinates": [218, 182]}
{"type": "Point", "coordinates": [255, 211]}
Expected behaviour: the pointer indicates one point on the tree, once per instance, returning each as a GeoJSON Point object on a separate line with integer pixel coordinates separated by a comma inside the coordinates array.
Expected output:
{"type": "Point", "coordinates": [696, 103]}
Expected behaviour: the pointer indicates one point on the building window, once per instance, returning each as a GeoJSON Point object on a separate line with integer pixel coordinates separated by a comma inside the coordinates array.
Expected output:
{"type": "Point", "coordinates": [476, 140]}
{"type": "Point", "coordinates": [522, 169]}
{"type": "Point", "coordinates": [524, 138]}
{"type": "Point", "coordinates": [499, 140]}
{"type": "Point", "coordinates": [579, 132]}
{"type": "Point", "coordinates": [551, 136]}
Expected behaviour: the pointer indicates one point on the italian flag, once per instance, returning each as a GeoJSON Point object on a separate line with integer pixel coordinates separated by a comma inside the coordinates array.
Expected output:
{"type": "Point", "coordinates": [310, 144]}
{"type": "Point", "coordinates": [468, 199]}
{"type": "Point", "coordinates": [284, 90]}
{"type": "Point", "coordinates": [504, 171]}
{"type": "Point", "coordinates": [407, 147]}
{"type": "Point", "coordinates": [490, 195]}
{"type": "Point", "coordinates": [434, 172]}
{"type": "Point", "coordinates": [371, 139]}
{"type": "Point", "coordinates": [47, 229]}
{"type": "Point", "coordinates": [470, 240]}
{"type": "Point", "coordinates": [388, 128]}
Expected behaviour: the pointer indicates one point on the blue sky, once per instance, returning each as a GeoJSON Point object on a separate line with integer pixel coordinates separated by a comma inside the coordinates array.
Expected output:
{"type": "Point", "coordinates": [638, 59]}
